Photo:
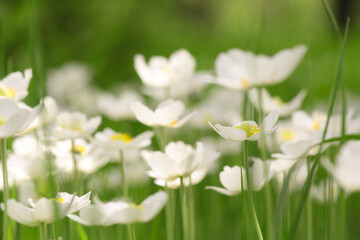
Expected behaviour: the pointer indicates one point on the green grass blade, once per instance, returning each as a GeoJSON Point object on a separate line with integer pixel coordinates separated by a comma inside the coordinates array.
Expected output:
{"type": "Point", "coordinates": [332, 18]}
{"type": "Point", "coordinates": [309, 179]}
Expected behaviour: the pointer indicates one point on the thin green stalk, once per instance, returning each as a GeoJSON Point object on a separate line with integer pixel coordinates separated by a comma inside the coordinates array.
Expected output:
{"type": "Point", "coordinates": [249, 189]}
{"type": "Point", "coordinates": [131, 232]}
{"type": "Point", "coordinates": [341, 215]}
{"type": "Point", "coordinates": [184, 210]}
{"type": "Point", "coordinates": [6, 187]}
{"type": "Point", "coordinates": [169, 217]}
{"type": "Point", "coordinates": [54, 231]}
{"type": "Point", "coordinates": [123, 177]}
{"type": "Point", "coordinates": [332, 18]}
{"type": "Point", "coordinates": [309, 179]}
{"type": "Point", "coordinates": [243, 199]}
{"type": "Point", "coordinates": [192, 210]}
{"type": "Point", "coordinates": [267, 187]}
{"type": "Point", "coordinates": [309, 216]}
{"type": "Point", "coordinates": [75, 171]}
{"type": "Point", "coordinates": [43, 231]}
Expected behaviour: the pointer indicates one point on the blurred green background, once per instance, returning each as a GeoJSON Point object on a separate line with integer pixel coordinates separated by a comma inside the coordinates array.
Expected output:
{"type": "Point", "coordinates": [107, 34]}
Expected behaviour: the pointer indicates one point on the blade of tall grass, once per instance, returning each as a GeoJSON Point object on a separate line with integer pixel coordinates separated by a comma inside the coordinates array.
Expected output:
{"type": "Point", "coordinates": [309, 179]}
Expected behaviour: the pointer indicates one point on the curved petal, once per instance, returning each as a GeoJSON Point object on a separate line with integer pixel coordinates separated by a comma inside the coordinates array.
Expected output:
{"type": "Point", "coordinates": [152, 205]}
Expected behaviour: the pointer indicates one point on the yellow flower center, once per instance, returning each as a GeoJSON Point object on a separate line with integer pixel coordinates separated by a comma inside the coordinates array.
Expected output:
{"type": "Point", "coordinates": [249, 128]}
{"type": "Point", "coordinates": [288, 135]}
{"type": "Point", "coordinates": [2, 121]}
{"type": "Point", "coordinates": [60, 200]}
{"type": "Point", "coordinates": [316, 125]}
{"type": "Point", "coordinates": [245, 83]}
{"type": "Point", "coordinates": [78, 149]}
{"type": "Point", "coordinates": [166, 69]}
{"type": "Point", "coordinates": [133, 205]}
{"type": "Point", "coordinates": [173, 123]}
{"type": "Point", "coordinates": [278, 101]}
{"type": "Point", "coordinates": [124, 137]}
{"type": "Point", "coordinates": [7, 92]}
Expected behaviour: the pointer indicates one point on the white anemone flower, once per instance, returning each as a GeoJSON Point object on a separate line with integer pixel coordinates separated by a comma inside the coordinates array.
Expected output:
{"type": "Point", "coordinates": [89, 158]}
{"type": "Point", "coordinates": [238, 69]}
{"type": "Point", "coordinates": [347, 167]}
{"type": "Point", "coordinates": [231, 180]}
{"type": "Point", "coordinates": [14, 119]}
{"type": "Point", "coordinates": [270, 104]}
{"type": "Point", "coordinates": [296, 149]}
{"type": "Point", "coordinates": [162, 72]}
{"type": "Point", "coordinates": [15, 85]}
{"type": "Point", "coordinates": [75, 125]}
{"type": "Point", "coordinates": [46, 210]}
{"type": "Point", "coordinates": [117, 107]}
{"type": "Point", "coordinates": [247, 130]}
{"type": "Point", "coordinates": [207, 162]}
{"type": "Point", "coordinates": [179, 160]}
{"type": "Point", "coordinates": [120, 212]}
{"type": "Point", "coordinates": [109, 139]}
{"type": "Point", "coordinates": [167, 114]}
{"type": "Point", "coordinates": [287, 131]}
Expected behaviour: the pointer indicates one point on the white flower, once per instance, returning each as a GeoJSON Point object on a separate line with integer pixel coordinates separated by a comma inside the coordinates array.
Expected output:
{"type": "Point", "coordinates": [347, 167]}
{"type": "Point", "coordinates": [109, 139]}
{"type": "Point", "coordinates": [89, 159]}
{"type": "Point", "coordinates": [270, 104]}
{"type": "Point", "coordinates": [238, 69]}
{"type": "Point", "coordinates": [120, 212]}
{"type": "Point", "coordinates": [68, 80]}
{"type": "Point", "coordinates": [286, 131]}
{"type": "Point", "coordinates": [14, 118]}
{"type": "Point", "coordinates": [46, 210]}
{"type": "Point", "coordinates": [15, 85]}
{"type": "Point", "coordinates": [231, 180]}
{"type": "Point", "coordinates": [167, 114]}
{"type": "Point", "coordinates": [75, 125]}
{"type": "Point", "coordinates": [295, 149]}
{"type": "Point", "coordinates": [162, 73]}
{"type": "Point", "coordinates": [179, 160]}
{"type": "Point", "coordinates": [117, 107]}
{"type": "Point", "coordinates": [247, 130]}
{"type": "Point", "coordinates": [206, 158]}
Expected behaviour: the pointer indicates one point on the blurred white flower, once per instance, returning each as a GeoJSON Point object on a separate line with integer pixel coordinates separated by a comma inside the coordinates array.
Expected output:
{"type": "Point", "coordinates": [120, 212]}
{"type": "Point", "coordinates": [75, 125]}
{"type": "Point", "coordinates": [238, 69]}
{"type": "Point", "coordinates": [109, 139]}
{"type": "Point", "coordinates": [287, 131]}
{"type": "Point", "coordinates": [179, 160]}
{"type": "Point", "coordinates": [68, 80]}
{"type": "Point", "coordinates": [206, 158]}
{"type": "Point", "coordinates": [347, 167]}
{"type": "Point", "coordinates": [247, 130]}
{"type": "Point", "coordinates": [46, 210]}
{"type": "Point", "coordinates": [89, 158]}
{"type": "Point", "coordinates": [270, 104]}
{"type": "Point", "coordinates": [167, 114]}
{"type": "Point", "coordinates": [162, 72]}
{"type": "Point", "coordinates": [14, 119]}
{"type": "Point", "coordinates": [231, 180]}
{"type": "Point", "coordinates": [296, 149]}
{"type": "Point", "coordinates": [117, 107]}
{"type": "Point", "coordinates": [15, 85]}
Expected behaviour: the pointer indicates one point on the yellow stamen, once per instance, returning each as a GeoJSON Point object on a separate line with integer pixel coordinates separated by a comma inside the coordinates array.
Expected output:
{"type": "Point", "coordinates": [244, 82]}
{"type": "Point", "coordinates": [288, 135]}
{"type": "Point", "coordinates": [2, 121]}
{"type": "Point", "coordinates": [121, 137]}
{"type": "Point", "coordinates": [78, 149]}
{"type": "Point", "coordinates": [60, 200]}
{"type": "Point", "coordinates": [7, 92]}
{"type": "Point", "coordinates": [173, 123]}
{"type": "Point", "coordinates": [133, 205]}
{"type": "Point", "coordinates": [278, 101]}
{"type": "Point", "coordinates": [249, 128]}
{"type": "Point", "coordinates": [316, 125]}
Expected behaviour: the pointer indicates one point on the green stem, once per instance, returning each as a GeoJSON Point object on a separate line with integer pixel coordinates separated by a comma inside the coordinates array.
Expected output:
{"type": "Point", "coordinates": [192, 211]}
{"type": "Point", "coordinates": [341, 214]}
{"type": "Point", "coordinates": [43, 231]}
{"type": "Point", "coordinates": [169, 218]}
{"type": "Point", "coordinates": [6, 187]}
{"type": "Point", "coordinates": [243, 199]}
{"type": "Point", "coordinates": [249, 189]}
{"type": "Point", "coordinates": [131, 232]}
{"type": "Point", "coordinates": [75, 165]}
{"type": "Point", "coordinates": [309, 217]}
{"type": "Point", "coordinates": [184, 210]}
{"type": "Point", "coordinates": [123, 177]}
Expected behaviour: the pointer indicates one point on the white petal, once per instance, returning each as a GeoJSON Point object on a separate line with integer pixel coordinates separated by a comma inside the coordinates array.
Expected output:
{"type": "Point", "coordinates": [152, 205]}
